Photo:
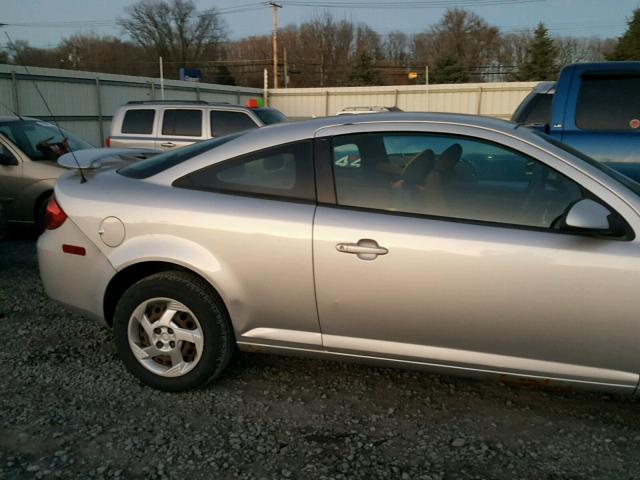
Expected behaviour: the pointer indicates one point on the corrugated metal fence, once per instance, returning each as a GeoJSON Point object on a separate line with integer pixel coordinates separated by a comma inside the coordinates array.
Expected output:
{"type": "Point", "coordinates": [85, 102]}
{"type": "Point", "coordinates": [494, 99]}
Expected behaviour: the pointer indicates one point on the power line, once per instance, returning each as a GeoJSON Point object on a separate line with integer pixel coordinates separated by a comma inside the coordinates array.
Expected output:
{"type": "Point", "coordinates": [109, 22]}
{"type": "Point", "coordinates": [405, 5]}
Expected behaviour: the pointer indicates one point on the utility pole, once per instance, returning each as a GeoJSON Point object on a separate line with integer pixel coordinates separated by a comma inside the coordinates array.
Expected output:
{"type": "Point", "coordinates": [274, 7]}
{"type": "Point", "coordinates": [286, 70]}
{"type": "Point", "coordinates": [161, 79]}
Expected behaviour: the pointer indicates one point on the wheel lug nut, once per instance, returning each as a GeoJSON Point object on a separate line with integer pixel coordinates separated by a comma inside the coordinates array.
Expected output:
{"type": "Point", "coordinates": [159, 344]}
{"type": "Point", "coordinates": [170, 331]}
{"type": "Point", "coordinates": [156, 331]}
{"type": "Point", "coordinates": [172, 344]}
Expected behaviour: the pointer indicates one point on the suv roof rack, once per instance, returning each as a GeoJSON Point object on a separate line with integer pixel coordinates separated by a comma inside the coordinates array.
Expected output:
{"type": "Point", "coordinates": [174, 102]}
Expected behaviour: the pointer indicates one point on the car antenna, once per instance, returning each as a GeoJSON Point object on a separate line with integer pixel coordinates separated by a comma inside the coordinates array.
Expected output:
{"type": "Point", "coordinates": [83, 179]}
{"type": "Point", "coordinates": [11, 110]}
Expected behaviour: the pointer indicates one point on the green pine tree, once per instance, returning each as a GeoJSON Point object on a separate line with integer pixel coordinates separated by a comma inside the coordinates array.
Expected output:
{"type": "Point", "coordinates": [448, 70]}
{"type": "Point", "coordinates": [628, 46]}
{"type": "Point", "coordinates": [223, 76]}
{"type": "Point", "coordinates": [540, 62]}
{"type": "Point", "coordinates": [363, 71]}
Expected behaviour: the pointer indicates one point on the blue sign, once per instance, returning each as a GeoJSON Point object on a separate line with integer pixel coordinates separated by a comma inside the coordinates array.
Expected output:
{"type": "Point", "coordinates": [190, 74]}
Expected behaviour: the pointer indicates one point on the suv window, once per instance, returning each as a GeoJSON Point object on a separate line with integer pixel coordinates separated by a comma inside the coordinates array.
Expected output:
{"type": "Point", "coordinates": [283, 171]}
{"type": "Point", "coordinates": [182, 123]}
{"type": "Point", "coordinates": [346, 156]}
{"type": "Point", "coordinates": [609, 102]}
{"type": "Point", "coordinates": [454, 177]}
{"type": "Point", "coordinates": [225, 122]}
{"type": "Point", "coordinates": [138, 121]}
{"type": "Point", "coordinates": [270, 116]}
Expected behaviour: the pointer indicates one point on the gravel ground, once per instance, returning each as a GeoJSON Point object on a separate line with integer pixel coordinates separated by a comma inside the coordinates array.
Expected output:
{"type": "Point", "coordinates": [69, 410]}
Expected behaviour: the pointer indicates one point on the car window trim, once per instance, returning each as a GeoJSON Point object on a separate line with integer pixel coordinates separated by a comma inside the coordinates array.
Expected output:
{"type": "Point", "coordinates": [323, 157]}
{"type": "Point", "coordinates": [325, 179]}
{"type": "Point", "coordinates": [486, 223]}
{"type": "Point", "coordinates": [267, 196]}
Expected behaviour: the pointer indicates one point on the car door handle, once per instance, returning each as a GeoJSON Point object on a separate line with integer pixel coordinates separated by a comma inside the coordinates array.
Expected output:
{"type": "Point", "coordinates": [366, 249]}
{"type": "Point", "coordinates": [168, 144]}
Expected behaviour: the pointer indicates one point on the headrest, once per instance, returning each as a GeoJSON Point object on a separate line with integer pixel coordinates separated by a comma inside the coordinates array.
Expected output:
{"type": "Point", "coordinates": [448, 159]}
{"type": "Point", "coordinates": [416, 170]}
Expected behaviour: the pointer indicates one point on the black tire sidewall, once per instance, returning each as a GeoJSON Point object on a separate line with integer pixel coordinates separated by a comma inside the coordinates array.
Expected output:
{"type": "Point", "coordinates": [186, 289]}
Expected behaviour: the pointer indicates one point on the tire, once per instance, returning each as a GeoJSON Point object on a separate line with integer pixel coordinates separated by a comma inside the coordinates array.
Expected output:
{"type": "Point", "coordinates": [186, 342]}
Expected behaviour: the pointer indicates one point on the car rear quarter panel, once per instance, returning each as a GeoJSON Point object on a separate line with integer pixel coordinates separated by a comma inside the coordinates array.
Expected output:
{"type": "Point", "coordinates": [256, 253]}
{"type": "Point", "coordinates": [76, 281]}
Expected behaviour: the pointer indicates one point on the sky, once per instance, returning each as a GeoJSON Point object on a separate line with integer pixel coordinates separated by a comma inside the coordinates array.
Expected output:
{"type": "Point", "coordinates": [46, 22]}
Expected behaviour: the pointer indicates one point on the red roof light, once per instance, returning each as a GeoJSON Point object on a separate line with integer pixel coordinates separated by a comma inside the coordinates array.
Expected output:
{"type": "Point", "coordinates": [254, 103]}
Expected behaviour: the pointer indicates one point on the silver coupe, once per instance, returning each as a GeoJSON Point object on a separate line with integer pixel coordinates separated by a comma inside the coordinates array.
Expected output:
{"type": "Point", "coordinates": [454, 243]}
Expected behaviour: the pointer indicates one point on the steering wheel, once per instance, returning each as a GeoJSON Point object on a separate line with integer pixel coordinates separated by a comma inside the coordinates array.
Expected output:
{"type": "Point", "coordinates": [45, 142]}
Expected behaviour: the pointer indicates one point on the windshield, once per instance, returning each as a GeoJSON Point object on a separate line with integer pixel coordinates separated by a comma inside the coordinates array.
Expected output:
{"type": "Point", "coordinates": [41, 140]}
{"type": "Point", "coordinates": [159, 163]}
{"type": "Point", "coordinates": [269, 116]}
{"type": "Point", "coordinates": [623, 179]}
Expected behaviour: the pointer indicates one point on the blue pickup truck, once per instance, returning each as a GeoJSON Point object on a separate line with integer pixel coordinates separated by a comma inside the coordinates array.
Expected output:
{"type": "Point", "coordinates": [594, 108]}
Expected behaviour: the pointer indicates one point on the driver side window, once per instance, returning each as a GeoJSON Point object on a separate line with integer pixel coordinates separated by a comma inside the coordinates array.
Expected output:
{"type": "Point", "coordinates": [453, 177]}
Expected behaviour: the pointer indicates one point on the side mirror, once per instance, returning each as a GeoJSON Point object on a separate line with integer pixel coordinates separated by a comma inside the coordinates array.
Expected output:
{"type": "Point", "coordinates": [588, 216]}
{"type": "Point", "coordinates": [7, 160]}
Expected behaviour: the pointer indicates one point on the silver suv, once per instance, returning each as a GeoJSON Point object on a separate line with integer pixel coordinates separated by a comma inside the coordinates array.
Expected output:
{"type": "Point", "coordinates": [170, 124]}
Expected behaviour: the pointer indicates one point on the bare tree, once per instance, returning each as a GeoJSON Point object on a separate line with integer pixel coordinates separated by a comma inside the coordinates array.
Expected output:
{"type": "Point", "coordinates": [22, 53]}
{"type": "Point", "coordinates": [173, 29]}
{"type": "Point", "coordinates": [395, 48]}
{"type": "Point", "coordinates": [578, 49]}
{"type": "Point", "coordinates": [460, 36]}
{"type": "Point", "coordinates": [513, 49]}
{"type": "Point", "coordinates": [367, 40]}
{"type": "Point", "coordinates": [327, 43]}
{"type": "Point", "coordinates": [104, 54]}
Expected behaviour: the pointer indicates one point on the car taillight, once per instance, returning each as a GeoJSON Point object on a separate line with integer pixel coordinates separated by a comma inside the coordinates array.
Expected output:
{"type": "Point", "coordinates": [107, 142]}
{"type": "Point", "coordinates": [54, 215]}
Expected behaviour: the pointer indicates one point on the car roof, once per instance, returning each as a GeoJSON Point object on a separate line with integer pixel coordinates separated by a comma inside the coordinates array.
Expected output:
{"type": "Point", "coordinates": [181, 103]}
{"type": "Point", "coordinates": [283, 133]}
{"type": "Point", "coordinates": [15, 118]}
{"type": "Point", "coordinates": [307, 129]}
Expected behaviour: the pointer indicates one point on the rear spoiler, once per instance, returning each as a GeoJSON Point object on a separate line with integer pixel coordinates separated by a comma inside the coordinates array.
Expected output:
{"type": "Point", "coordinates": [96, 158]}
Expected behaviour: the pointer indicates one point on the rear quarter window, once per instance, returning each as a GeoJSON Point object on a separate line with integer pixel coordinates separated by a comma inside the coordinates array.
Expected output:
{"type": "Point", "coordinates": [159, 163]}
{"type": "Point", "coordinates": [138, 121]}
{"type": "Point", "coordinates": [226, 122]}
{"type": "Point", "coordinates": [609, 102]}
{"type": "Point", "coordinates": [284, 172]}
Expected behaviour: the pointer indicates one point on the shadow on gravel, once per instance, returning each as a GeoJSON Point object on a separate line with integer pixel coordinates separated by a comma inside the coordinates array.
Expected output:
{"type": "Point", "coordinates": [70, 410]}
